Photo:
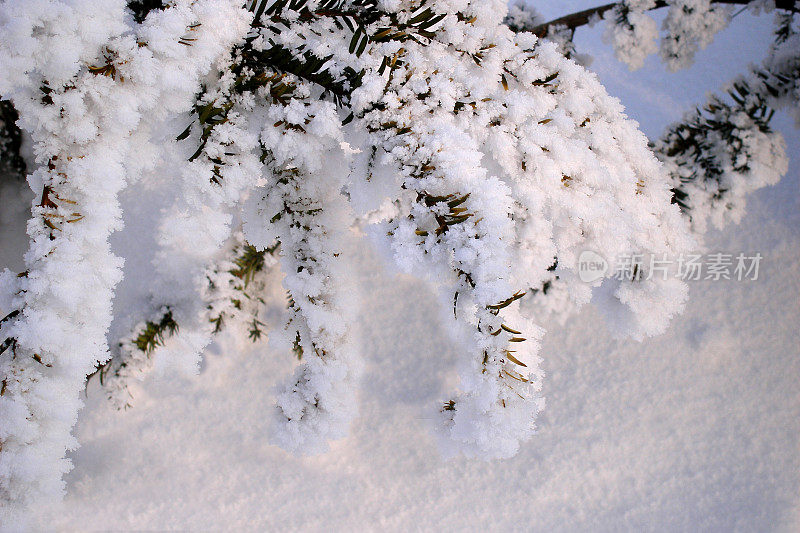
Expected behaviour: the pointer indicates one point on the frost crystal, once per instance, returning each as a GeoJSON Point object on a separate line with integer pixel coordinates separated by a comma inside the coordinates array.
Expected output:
{"type": "Point", "coordinates": [631, 32]}
{"type": "Point", "coordinates": [480, 159]}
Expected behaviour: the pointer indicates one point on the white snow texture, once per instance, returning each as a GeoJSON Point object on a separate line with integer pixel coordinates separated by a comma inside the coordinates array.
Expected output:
{"type": "Point", "coordinates": [475, 158]}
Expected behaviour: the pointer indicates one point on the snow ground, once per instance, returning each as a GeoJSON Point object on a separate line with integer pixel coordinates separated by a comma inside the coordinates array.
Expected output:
{"type": "Point", "coordinates": [694, 430]}
{"type": "Point", "coordinates": [697, 429]}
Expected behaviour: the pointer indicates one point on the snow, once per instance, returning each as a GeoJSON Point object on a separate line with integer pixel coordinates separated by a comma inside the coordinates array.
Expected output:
{"type": "Point", "coordinates": [693, 430]}
{"type": "Point", "coordinates": [696, 428]}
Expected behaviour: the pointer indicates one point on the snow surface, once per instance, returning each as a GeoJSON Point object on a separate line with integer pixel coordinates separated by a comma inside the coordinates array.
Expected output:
{"type": "Point", "coordinates": [696, 429]}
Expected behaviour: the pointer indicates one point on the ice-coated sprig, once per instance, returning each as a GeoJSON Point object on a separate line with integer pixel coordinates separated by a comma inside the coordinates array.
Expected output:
{"type": "Point", "coordinates": [82, 78]}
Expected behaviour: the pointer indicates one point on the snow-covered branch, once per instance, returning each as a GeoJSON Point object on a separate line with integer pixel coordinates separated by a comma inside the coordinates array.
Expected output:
{"type": "Point", "coordinates": [588, 16]}
{"type": "Point", "coordinates": [724, 151]}
{"type": "Point", "coordinates": [82, 79]}
{"type": "Point", "coordinates": [475, 155]}
{"type": "Point", "coordinates": [690, 25]}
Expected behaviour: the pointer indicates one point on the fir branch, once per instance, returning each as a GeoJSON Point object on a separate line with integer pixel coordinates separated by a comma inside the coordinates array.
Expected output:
{"type": "Point", "coordinates": [151, 335]}
{"type": "Point", "coordinates": [267, 68]}
{"type": "Point", "coordinates": [230, 288]}
{"type": "Point", "coordinates": [582, 18]}
{"type": "Point", "coordinates": [712, 153]}
{"type": "Point", "coordinates": [154, 332]}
